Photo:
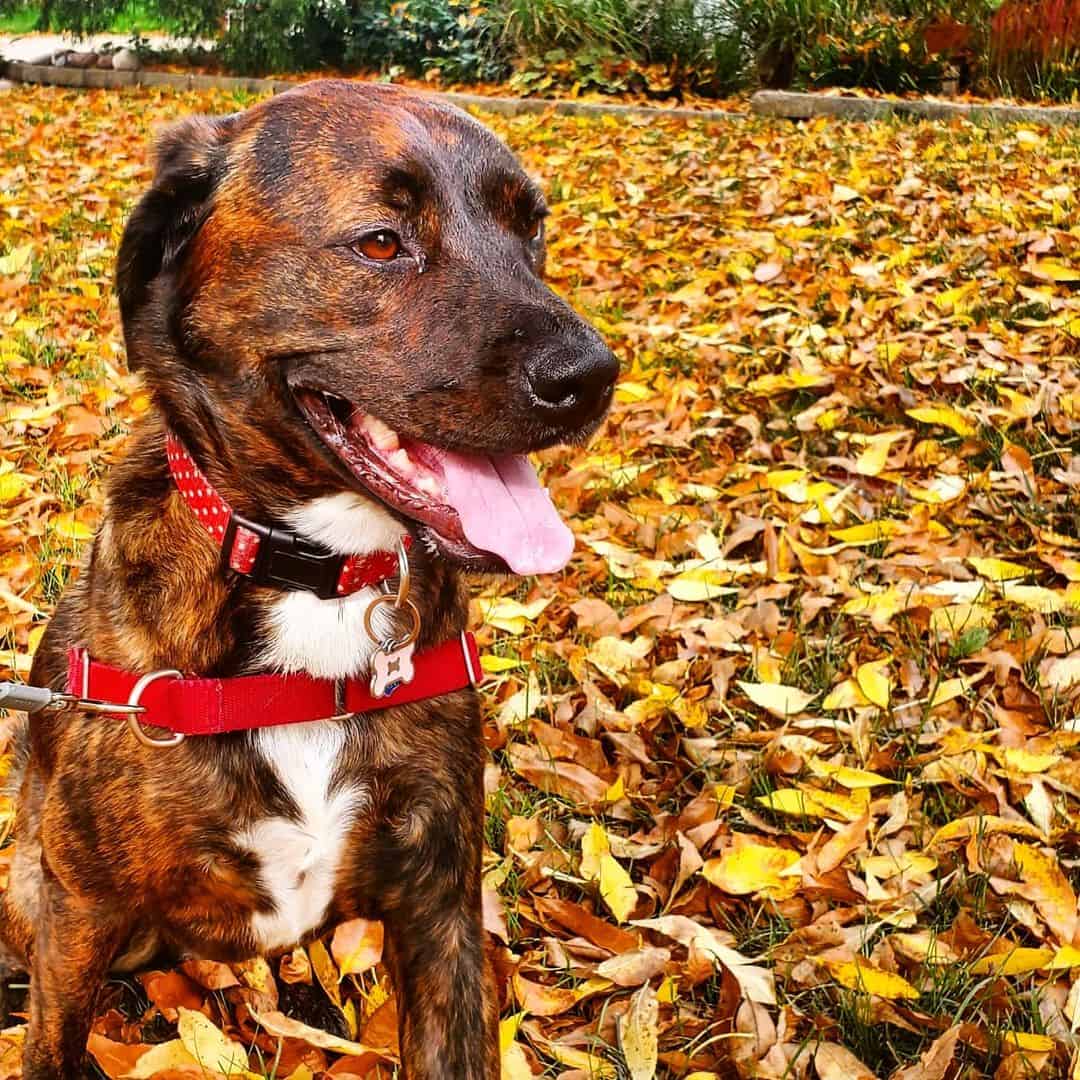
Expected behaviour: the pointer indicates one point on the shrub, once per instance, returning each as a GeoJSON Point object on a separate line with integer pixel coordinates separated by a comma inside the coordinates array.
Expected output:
{"type": "Point", "coordinates": [410, 36]}
{"type": "Point", "coordinates": [776, 34]}
{"type": "Point", "coordinates": [891, 45]}
{"type": "Point", "coordinates": [887, 52]}
{"type": "Point", "coordinates": [451, 36]}
{"type": "Point", "coordinates": [264, 36]}
{"type": "Point", "coordinates": [192, 18]}
{"type": "Point", "coordinates": [78, 16]}
{"type": "Point", "coordinates": [659, 46]}
{"type": "Point", "coordinates": [1034, 47]}
{"type": "Point", "coordinates": [186, 17]}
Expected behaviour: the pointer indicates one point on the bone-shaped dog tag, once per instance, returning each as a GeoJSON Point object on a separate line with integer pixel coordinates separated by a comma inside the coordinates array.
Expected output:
{"type": "Point", "coordinates": [391, 670]}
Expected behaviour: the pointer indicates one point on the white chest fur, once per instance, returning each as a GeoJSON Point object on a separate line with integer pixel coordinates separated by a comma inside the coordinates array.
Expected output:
{"type": "Point", "coordinates": [300, 858]}
{"type": "Point", "coordinates": [326, 638]}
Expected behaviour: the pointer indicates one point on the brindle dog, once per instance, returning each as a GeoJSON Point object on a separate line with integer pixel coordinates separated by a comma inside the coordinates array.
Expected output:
{"type": "Point", "coordinates": [342, 249]}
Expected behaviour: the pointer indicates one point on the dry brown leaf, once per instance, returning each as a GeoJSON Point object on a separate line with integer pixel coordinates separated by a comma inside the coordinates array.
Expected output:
{"type": "Point", "coordinates": [835, 1062]}
{"type": "Point", "coordinates": [284, 1027]}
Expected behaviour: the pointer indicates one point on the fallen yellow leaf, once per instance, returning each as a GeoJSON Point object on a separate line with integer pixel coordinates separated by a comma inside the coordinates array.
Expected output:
{"type": "Point", "coordinates": [1050, 270]}
{"type": "Point", "coordinates": [997, 570]}
{"type": "Point", "coordinates": [749, 868]}
{"type": "Point", "coordinates": [1014, 962]}
{"type": "Point", "coordinates": [510, 615]}
{"type": "Point", "coordinates": [616, 888]}
{"type": "Point", "coordinates": [594, 845]}
{"type": "Point", "coordinates": [701, 583]}
{"type": "Point", "coordinates": [981, 825]}
{"type": "Point", "coordinates": [874, 682]}
{"type": "Point", "coordinates": [848, 777]}
{"type": "Point", "coordinates": [70, 528]}
{"type": "Point", "coordinates": [208, 1046]}
{"type": "Point", "coordinates": [860, 975]}
{"type": "Point", "coordinates": [1047, 887]}
{"type": "Point", "coordinates": [943, 416]}
{"type": "Point", "coordinates": [845, 695]}
{"type": "Point", "coordinates": [1026, 1040]}
{"type": "Point", "coordinates": [793, 801]}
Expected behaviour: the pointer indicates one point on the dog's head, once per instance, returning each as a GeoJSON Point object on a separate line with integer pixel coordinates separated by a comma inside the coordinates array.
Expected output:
{"type": "Point", "coordinates": [341, 289]}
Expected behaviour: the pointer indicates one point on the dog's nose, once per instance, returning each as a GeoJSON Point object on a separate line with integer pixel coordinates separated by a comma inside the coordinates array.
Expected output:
{"type": "Point", "coordinates": [571, 383]}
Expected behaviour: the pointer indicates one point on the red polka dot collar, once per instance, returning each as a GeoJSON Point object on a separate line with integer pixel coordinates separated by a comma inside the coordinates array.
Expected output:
{"type": "Point", "coordinates": [269, 555]}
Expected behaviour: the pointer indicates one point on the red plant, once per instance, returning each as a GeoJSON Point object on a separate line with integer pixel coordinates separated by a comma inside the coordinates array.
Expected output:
{"type": "Point", "coordinates": [1046, 30]}
{"type": "Point", "coordinates": [945, 35]}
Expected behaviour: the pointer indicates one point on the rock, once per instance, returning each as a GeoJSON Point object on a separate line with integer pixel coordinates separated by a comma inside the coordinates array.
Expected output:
{"type": "Point", "coordinates": [81, 59]}
{"type": "Point", "coordinates": [104, 61]}
{"type": "Point", "coordinates": [60, 58]}
{"type": "Point", "coordinates": [126, 60]}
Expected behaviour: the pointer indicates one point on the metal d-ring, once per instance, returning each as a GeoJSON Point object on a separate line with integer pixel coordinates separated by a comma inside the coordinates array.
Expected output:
{"type": "Point", "coordinates": [404, 576]}
{"type": "Point", "coordinates": [394, 643]}
{"type": "Point", "coordinates": [177, 737]}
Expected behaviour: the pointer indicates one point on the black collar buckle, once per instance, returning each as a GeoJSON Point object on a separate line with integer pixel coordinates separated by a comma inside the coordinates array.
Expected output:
{"type": "Point", "coordinates": [285, 561]}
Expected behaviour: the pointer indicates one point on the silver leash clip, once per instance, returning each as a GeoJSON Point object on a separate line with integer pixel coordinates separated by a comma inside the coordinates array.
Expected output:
{"type": "Point", "coordinates": [392, 666]}
{"type": "Point", "coordinates": [35, 699]}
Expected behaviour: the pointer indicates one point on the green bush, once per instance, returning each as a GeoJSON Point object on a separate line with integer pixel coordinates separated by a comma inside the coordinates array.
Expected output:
{"type": "Point", "coordinates": [657, 47]}
{"type": "Point", "coordinates": [879, 44]}
{"type": "Point", "coordinates": [407, 36]}
{"type": "Point", "coordinates": [652, 45]}
{"type": "Point", "coordinates": [78, 16]}
{"type": "Point", "coordinates": [186, 17]}
{"type": "Point", "coordinates": [268, 36]}
{"type": "Point", "coordinates": [191, 18]}
{"type": "Point", "coordinates": [451, 36]}
{"type": "Point", "coordinates": [777, 35]}
{"type": "Point", "coordinates": [886, 53]}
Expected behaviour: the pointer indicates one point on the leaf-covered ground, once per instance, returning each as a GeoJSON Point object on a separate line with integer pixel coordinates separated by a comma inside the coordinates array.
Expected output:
{"type": "Point", "coordinates": [785, 768]}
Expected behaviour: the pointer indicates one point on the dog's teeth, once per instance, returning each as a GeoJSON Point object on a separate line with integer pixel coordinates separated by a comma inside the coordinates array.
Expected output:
{"type": "Point", "coordinates": [401, 463]}
{"type": "Point", "coordinates": [427, 483]}
{"type": "Point", "coordinates": [382, 437]}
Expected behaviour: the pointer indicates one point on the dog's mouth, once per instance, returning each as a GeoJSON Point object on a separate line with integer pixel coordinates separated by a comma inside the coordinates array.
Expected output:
{"type": "Point", "coordinates": [486, 510]}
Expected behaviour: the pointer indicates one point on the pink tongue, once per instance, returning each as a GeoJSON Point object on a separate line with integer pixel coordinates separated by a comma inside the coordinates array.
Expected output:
{"type": "Point", "coordinates": [504, 509]}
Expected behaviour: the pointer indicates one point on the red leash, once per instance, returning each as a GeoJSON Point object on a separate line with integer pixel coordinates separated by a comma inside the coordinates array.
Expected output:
{"type": "Point", "coordinates": [198, 706]}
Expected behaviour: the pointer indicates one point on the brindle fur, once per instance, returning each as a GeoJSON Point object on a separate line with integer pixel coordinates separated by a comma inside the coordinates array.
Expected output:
{"type": "Point", "coordinates": [235, 275]}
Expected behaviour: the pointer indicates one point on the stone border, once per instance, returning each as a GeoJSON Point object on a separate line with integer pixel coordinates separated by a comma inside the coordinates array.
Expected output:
{"type": "Point", "coordinates": [508, 106]}
{"type": "Point", "coordinates": [773, 103]}
{"type": "Point", "coordinates": [795, 106]}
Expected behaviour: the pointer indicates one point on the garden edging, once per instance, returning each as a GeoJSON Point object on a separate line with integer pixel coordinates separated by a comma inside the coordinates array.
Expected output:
{"type": "Point", "coordinates": [98, 78]}
{"type": "Point", "coordinates": [799, 106]}
{"type": "Point", "coordinates": [776, 103]}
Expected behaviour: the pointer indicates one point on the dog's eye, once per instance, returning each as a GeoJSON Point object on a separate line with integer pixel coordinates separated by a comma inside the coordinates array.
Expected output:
{"type": "Point", "coordinates": [535, 229]}
{"type": "Point", "coordinates": [381, 245]}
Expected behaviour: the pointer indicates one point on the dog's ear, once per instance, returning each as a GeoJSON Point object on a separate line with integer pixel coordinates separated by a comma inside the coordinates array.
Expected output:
{"type": "Point", "coordinates": [190, 160]}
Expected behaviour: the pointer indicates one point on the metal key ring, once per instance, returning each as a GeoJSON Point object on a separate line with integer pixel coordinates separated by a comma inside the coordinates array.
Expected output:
{"type": "Point", "coordinates": [404, 577]}
{"type": "Point", "coordinates": [177, 737]}
{"type": "Point", "coordinates": [397, 643]}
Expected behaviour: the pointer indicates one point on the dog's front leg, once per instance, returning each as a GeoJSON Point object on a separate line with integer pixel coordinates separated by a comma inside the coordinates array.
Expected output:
{"type": "Point", "coordinates": [431, 907]}
{"type": "Point", "coordinates": [72, 950]}
{"type": "Point", "coordinates": [446, 995]}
